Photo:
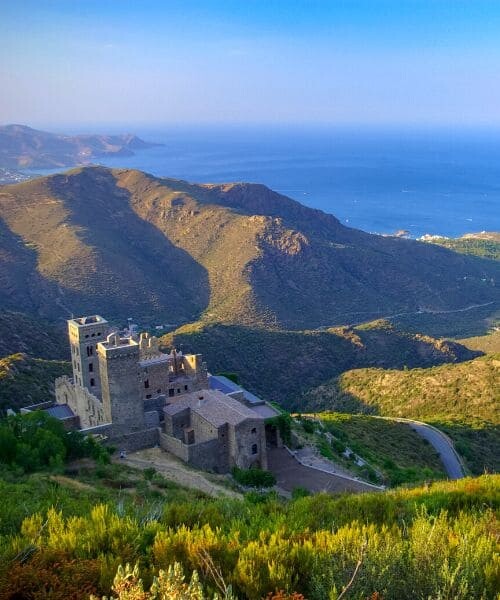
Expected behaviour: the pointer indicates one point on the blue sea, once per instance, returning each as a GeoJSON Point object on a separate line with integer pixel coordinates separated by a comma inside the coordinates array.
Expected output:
{"type": "Point", "coordinates": [443, 182]}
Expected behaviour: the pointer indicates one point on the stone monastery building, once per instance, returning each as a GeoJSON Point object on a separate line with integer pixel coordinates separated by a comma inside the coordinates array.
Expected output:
{"type": "Point", "coordinates": [135, 396]}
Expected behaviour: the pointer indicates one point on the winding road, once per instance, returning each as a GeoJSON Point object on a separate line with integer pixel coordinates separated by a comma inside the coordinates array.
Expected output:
{"type": "Point", "coordinates": [450, 458]}
{"type": "Point", "coordinates": [443, 446]}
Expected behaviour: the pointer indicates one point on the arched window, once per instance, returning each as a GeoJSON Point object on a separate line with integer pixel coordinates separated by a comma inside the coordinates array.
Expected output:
{"type": "Point", "coordinates": [254, 449]}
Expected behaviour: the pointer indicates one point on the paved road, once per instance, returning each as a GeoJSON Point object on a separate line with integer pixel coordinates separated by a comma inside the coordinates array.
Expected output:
{"type": "Point", "coordinates": [438, 440]}
{"type": "Point", "coordinates": [290, 474]}
{"type": "Point", "coordinates": [443, 446]}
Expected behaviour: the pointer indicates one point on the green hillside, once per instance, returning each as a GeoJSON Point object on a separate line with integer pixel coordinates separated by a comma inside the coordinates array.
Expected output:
{"type": "Point", "coordinates": [461, 399]}
{"type": "Point", "coordinates": [25, 380]}
{"type": "Point", "coordinates": [394, 453]}
{"type": "Point", "coordinates": [484, 245]}
{"type": "Point", "coordinates": [29, 335]}
{"type": "Point", "coordinates": [282, 365]}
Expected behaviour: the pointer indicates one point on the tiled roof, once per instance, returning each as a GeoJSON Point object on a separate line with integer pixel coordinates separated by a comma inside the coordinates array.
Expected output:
{"type": "Point", "coordinates": [213, 406]}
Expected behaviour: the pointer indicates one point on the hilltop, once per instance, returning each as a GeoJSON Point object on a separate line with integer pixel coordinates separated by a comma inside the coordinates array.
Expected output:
{"type": "Point", "coordinates": [236, 253]}
{"type": "Point", "coordinates": [24, 147]}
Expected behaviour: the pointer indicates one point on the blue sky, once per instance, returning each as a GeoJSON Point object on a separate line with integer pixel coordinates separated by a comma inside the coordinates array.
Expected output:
{"type": "Point", "coordinates": [377, 62]}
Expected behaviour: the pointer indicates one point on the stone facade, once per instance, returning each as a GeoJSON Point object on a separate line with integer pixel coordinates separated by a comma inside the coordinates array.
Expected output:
{"type": "Point", "coordinates": [133, 395]}
{"type": "Point", "coordinates": [235, 433]}
{"type": "Point", "coordinates": [84, 335]}
{"type": "Point", "coordinates": [83, 403]}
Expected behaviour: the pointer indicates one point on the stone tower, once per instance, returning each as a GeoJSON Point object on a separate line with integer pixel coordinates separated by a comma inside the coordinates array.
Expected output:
{"type": "Point", "coordinates": [84, 335]}
{"type": "Point", "coordinates": [121, 383]}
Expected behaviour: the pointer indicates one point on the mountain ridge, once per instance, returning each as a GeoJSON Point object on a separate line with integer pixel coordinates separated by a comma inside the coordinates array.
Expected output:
{"type": "Point", "coordinates": [24, 147]}
{"type": "Point", "coordinates": [233, 253]}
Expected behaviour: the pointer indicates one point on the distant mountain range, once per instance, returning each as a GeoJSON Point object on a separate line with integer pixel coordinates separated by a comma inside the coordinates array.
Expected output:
{"type": "Point", "coordinates": [125, 243]}
{"type": "Point", "coordinates": [24, 147]}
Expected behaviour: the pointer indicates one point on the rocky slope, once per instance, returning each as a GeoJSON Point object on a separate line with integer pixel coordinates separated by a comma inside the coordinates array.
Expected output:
{"type": "Point", "coordinates": [124, 243]}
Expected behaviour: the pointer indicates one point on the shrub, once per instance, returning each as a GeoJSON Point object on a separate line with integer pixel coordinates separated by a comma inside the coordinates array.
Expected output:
{"type": "Point", "coordinates": [254, 477]}
{"type": "Point", "coordinates": [308, 425]}
{"type": "Point", "coordinates": [283, 423]}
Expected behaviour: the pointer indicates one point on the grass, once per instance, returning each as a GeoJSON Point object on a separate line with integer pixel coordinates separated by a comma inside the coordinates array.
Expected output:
{"type": "Point", "coordinates": [427, 542]}
{"type": "Point", "coordinates": [81, 486]}
{"type": "Point", "coordinates": [489, 343]}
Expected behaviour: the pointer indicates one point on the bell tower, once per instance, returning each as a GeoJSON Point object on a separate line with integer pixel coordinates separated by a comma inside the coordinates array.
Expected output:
{"type": "Point", "coordinates": [84, 335]}
{"type": "Point", "coordinates": [120, 382]}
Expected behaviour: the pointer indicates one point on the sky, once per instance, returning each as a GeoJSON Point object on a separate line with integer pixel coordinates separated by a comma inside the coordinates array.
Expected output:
{"type": "Point", "coordinates": [378, 62]}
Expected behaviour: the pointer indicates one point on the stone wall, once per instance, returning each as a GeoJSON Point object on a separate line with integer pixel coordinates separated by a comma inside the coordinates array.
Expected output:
{"type": "Point", "coordinates": [157, 403]}
{"type": "Point", "coordinates": [151, 419]}
{"type": "Point", "coordinates": [208, 456]}
{"type": "Point", "coordinates": [204, 431]}
{"type": "Point", "coordinates": [244, 439]}
{"type": "Point", "coordinates": [174, 446]}
{"type": "Point", "coordinates": [146, 438]}
{"type": "Point", "coordinates": [120, 383]}
{"type": "Point", "coordinates": [175, 424]}
{"type": "Point", "coordinates": [84, 404]}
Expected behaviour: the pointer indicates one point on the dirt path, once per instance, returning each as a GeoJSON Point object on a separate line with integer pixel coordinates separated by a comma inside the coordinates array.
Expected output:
{"type": "Point", "coordinates": [175, 470]}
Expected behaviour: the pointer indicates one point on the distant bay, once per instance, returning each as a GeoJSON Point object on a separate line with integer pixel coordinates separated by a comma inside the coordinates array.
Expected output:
{"type": "Point", "coordinates": [434, 181]}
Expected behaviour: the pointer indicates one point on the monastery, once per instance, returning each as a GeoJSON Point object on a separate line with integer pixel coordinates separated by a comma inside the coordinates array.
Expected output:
{"type": "Point", "coordinates": [135, 396]}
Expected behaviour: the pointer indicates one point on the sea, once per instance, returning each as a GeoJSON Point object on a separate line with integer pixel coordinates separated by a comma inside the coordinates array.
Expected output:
{"type": "Point", "coordinates": [432, 181]}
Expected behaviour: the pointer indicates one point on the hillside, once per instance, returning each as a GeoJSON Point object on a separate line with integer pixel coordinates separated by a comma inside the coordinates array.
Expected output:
{"type": "Point", "coordinates": [392, 452]}
{"type": "Point", "coordinates": [25, 380]}
{"type": "Point", "coordinates": [489, 343]}
{"type": "Point", "coordinates": [461, 399]}
{"type": "Point", "coordinates": [470, 389]}
{"type": "Point", "coordinates": [485, 244]}
{"type": "Point", "coordinates": [24, 147]}
{"type": "Point", "coordinates": [282, 365]}
{"type": "Point", "coordinates": [236, 253]}
{"type": "Point", "coordinates": [31, 335]}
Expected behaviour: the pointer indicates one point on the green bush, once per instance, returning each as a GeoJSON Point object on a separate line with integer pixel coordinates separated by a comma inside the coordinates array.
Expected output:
{"type": "Point", "coordinates": [37, 441]}
{"type": "Point", "coordinates": [283, 423]}
{"type": "Point", "coordinates": [254, 477]}
{"type": "Point", "coordinates": [308, 425]}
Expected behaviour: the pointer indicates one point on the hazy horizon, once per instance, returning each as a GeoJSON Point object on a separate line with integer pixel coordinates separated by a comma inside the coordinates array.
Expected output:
{"type": "Point", "coordinates": [366, 63]}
